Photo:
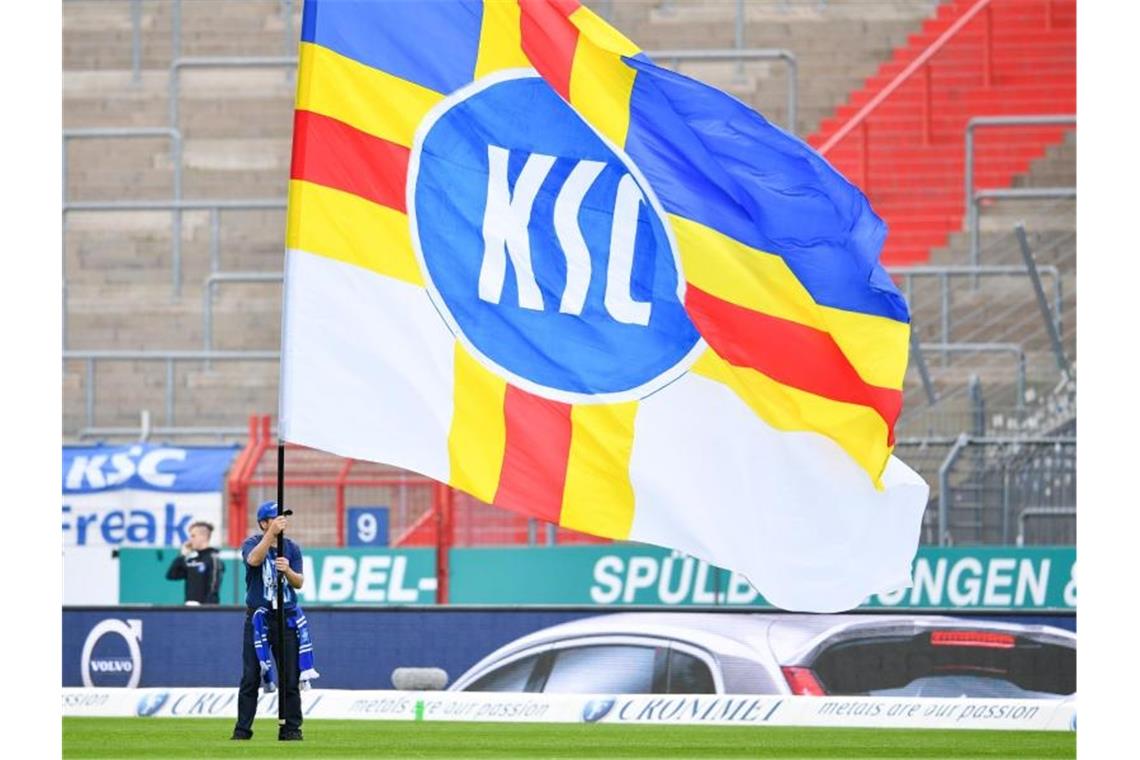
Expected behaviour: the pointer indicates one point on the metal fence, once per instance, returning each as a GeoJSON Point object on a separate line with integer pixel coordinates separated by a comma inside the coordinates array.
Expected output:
{"type": "Point", "coordinates": [943, 275]}
{"type": "Point", "coordinates": [1007, 194]}
{"type": "Point", "coordinates": [1001, 122]}
{"type": "Point", "coordinates": [986, 484]}
{"type": "Point", "coordinates": [168, 358]}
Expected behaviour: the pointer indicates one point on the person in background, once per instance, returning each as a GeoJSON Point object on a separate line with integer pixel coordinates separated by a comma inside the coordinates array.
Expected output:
{"type": "Point", "coordinates": [263, 571]}
{"type": "Point", "coordinates": [199, 565]}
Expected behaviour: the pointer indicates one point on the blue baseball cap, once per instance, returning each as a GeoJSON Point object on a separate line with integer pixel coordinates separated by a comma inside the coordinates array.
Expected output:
{"type": "Point", "coordinates": [268, 510]}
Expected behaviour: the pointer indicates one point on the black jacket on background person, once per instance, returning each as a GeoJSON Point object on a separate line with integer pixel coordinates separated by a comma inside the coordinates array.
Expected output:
{"type": "Point", "coordinates": [203, 573]}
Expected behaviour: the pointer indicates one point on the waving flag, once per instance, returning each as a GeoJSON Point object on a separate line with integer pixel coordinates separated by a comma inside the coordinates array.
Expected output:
{"type": "Point", "coordinates": [526, 261]}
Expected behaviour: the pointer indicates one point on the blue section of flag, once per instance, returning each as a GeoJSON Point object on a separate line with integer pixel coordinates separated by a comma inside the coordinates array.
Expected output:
{"type": "Point", "coordinates": [714, 160]}
{"type": "Point", "coordinates": [433, 44]}
{"type": "Point", "coordinates": [587, 352]}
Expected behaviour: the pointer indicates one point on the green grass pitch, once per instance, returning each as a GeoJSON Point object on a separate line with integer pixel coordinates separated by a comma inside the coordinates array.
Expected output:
{"type": "Point", "coordinates": [207, 738]}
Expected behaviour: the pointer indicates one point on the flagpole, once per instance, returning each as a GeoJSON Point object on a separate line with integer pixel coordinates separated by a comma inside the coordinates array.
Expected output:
{"type": "Point", "coordinates": [279, 644]}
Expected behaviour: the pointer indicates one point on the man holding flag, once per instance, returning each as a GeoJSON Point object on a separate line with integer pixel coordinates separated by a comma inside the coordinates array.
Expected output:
{"type": "Point", "coordinates": [272, 577]}
{"type": "Point", "coordinates": [527, 262]}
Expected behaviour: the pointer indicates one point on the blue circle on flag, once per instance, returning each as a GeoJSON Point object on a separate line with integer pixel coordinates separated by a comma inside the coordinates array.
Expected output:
{"type": "Point", "coordinates": [543, 247]}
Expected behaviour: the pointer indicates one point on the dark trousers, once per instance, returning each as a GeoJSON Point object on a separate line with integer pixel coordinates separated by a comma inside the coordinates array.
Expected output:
{"type": "Point", "coordinates": [288, 687]}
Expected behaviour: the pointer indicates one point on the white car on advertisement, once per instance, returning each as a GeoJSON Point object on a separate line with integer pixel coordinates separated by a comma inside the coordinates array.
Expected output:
{"type": "Point", "coordinates": [778, 653]}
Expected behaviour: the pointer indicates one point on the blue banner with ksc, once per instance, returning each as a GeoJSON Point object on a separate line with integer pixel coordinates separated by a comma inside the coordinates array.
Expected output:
{"type": "Point", "coordinates": [146, 467]}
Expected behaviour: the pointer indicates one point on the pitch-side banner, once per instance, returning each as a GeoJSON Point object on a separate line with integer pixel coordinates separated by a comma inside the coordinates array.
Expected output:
{"type": "Point", "coordinates": [141, 495]}
{"type": "Point", "coordinates": [526, 261]}
{"type": "Point", "coordinates": [660, 709]}
{"type": "Point", "coordinates": [960, 578]}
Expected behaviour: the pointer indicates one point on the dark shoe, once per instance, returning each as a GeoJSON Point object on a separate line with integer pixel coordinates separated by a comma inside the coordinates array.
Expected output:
{"type": "Point", "coordinates": [289, 735]}
{"type": "Point", "coordinates": [241, 734]}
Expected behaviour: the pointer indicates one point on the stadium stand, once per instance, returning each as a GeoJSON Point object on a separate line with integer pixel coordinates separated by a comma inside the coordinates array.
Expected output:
{"type": "Point", "coordinates": [194, 264]}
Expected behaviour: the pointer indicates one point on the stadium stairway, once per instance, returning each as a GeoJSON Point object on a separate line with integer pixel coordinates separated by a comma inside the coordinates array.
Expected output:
{"type": "Point", "coordinates": [999, 310]}
{"type": "Point", "coordinates": [917, 187]}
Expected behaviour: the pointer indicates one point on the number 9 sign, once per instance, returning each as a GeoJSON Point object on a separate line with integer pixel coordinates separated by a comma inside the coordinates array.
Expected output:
{"type": "Point", "coordinates": [367, 526]}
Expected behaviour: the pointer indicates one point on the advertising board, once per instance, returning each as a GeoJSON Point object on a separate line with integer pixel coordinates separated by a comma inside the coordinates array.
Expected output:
{"type": "Point", "coordinates": [614, 575]}
{"type": "Point", "coordinates": [354, 647]}
{"type": "Point", "coordinates": [349, 576]}
{"type": "Point", "coordinates": [673, 709]}
{"type": "Point", "coordinates": [141, 495]}
{"type": "Point", "coordinates": [618, 575]}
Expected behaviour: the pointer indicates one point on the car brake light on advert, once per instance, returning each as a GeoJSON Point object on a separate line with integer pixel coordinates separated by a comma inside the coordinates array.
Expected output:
{"type": "Point", "coordinates": [972, 639]}
{"type": "Point", "coordinates": [802, 681]}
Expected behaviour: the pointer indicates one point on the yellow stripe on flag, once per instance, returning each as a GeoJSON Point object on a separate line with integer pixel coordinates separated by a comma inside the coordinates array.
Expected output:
{"type": "Point", "coordinates": [602, 33]}
{"type": "Point", "coordinates": [478, 437]}
{"type": "Point", "coordinates": [500, 40]}
{"type": "Point", "coordinates": [858, 430]}
{"type": "Point", "coordinates": [348, 228]}
{"type": "Point", "coordinates": [371, 100]}
{"type": "Point", "coordinates": [598, 496]}
{"type": "Point", "coordinates": [732, 271]}
{"type": "Point", "coordinates": [600, 83]}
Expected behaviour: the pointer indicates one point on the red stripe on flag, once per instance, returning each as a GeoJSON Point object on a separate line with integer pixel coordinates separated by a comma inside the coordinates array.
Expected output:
{"type": "Point", "coordinates": [331, 153]}
{"type": "Point", "coordinates": [537, 450]}
{"type": "Point", "coordinates": [788, 352]}
{"type": "Point", "coordinates": [549, 39]}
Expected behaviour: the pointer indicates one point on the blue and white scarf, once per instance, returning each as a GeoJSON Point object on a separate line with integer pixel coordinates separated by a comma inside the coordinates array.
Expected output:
{"type": "Point", "coordinates": [295, 618]}
{"type": "Point", "coordinates": [269, 580]}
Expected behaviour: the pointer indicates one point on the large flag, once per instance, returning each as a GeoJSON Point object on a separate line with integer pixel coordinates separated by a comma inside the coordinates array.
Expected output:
{"type": "Point", "coordinates": [525, 261]}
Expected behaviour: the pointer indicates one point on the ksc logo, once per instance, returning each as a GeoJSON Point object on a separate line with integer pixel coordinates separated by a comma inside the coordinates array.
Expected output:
{"type": "Point", "coordinates": [149, 704]}
{"type": "Point", "coordinates": [596, 709]}
{"type": "Point", "coordinates": [544, 248]}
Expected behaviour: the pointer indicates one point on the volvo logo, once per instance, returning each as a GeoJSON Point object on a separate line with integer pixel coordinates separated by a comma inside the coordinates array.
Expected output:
{"type": "Point", "coordinates": [111, 666]}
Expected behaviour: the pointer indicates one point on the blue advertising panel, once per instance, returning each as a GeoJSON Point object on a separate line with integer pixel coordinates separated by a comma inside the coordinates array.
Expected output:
{"type": "Point", "coordinates": [145, 466]}
{"type": "Point", "coordinates": [142, 494]}
{"type": "Point", "coordinates": [354, 647]}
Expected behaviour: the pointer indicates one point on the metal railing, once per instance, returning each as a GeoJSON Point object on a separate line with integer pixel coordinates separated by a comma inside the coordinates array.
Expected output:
{"type": "Point", "coordinates": [1051, 319]}
{"type": "Point", "coordinates": [1003, 451]}
{"type": "Point", "coordinates": [1013, 349]}
{"type": "Point", "coordinates": [676, 56]}
{"type": "Point", "coordinates": [944, 274]}
{"type": "Point", "coordinates": [984, 122]}
{"type": "Point", "coordinates": [179, 64]}
{"type": "Point", "coordinates": [135, 10]}
{"type": "Point", "coordinates": [90, 357]}
{"type": "Point", "coordinates": [741, 54]}
{"type": "Point", "coordinates": [178, 206]}
{"type": "Point", "coordinates": [1041, 512]}
{"type": "Point", "coordinates": [136, 41]}
{"type": "Point", "coordinates": [215, 279]}
{"type": "Point", "coordinates": [921, 63]}
{"type": "Point", "coordinates": [118, 133]}
{"type": "Point", "coordinates": [1007, 194]}
{"type": "Point", "coordinates": [166, 433]}
{"type": "Point", "coordinates": [287, 17]}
